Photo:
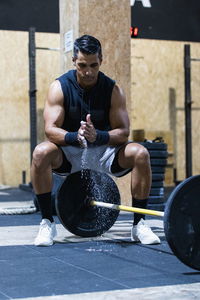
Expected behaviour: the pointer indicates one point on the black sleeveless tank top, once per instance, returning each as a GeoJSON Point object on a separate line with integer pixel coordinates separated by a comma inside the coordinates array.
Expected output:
{"type": "Point", "coordinates": [79, 102]}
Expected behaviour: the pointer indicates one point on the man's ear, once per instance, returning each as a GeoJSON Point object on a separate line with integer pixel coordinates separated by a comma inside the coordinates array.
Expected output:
{"type": "Point", "coordinates": [74, 60]}
{"type": "Point", "coordinates": [101, 59]}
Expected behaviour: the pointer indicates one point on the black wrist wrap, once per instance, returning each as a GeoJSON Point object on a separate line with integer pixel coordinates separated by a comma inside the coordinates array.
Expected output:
{"type": "Point", "coordinates": [71, 138]}
{"type": "Point", "coordinates": [102, 137]}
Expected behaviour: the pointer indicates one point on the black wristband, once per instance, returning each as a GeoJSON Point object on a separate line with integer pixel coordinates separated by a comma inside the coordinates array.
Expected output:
{"type": "Point", "coordinates": [102, 137]}
{"type": "Point", "coordinates": [71, 138]}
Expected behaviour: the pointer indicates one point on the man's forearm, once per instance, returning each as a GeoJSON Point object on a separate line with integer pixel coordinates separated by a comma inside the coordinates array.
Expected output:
{"type": "Point", "coordinates": [56, 135]}
{"type": "Point", "coordinates": [118, 136]}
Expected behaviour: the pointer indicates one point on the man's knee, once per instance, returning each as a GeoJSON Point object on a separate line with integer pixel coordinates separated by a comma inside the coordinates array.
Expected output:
{"type": "Point", "coordinates": [134, 155]}
{"type": "Point", "coordinates": [142, 155]}
{"type": "Point", "coordinates": [42, 153]}
{"type": "Point", "coordinates": [139, 153]}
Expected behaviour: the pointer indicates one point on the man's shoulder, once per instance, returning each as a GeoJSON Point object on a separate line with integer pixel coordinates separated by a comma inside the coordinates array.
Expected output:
{"type": "Point", "coordinates": [66, 75]}
{"type": "Point", "coordinates": [104, 78]}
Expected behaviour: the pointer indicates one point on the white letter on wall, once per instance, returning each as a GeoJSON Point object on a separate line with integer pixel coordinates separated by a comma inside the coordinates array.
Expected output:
{"type": "Point", "coordinates": [145, 3]}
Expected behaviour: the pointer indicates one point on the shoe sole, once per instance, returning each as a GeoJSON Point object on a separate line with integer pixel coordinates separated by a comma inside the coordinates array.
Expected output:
{"type": "Point", "coordinates": [137, 240]}
{"type": "Point", "coordinates": [43, 245]}
{"type": "Point", "coordinates": [146, 243]}
{"type": "Point", "coordinates": [151, 243]}
{"type": "Point", "coordinates": [46, 245]}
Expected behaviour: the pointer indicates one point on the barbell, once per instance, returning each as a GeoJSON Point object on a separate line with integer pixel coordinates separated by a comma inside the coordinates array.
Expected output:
{"type": "Point", "coordinates": [88, 204]}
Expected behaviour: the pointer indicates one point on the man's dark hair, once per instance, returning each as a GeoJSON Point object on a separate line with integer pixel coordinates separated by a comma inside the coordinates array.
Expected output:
{"type": "Point", "coordinates": [87, 44]}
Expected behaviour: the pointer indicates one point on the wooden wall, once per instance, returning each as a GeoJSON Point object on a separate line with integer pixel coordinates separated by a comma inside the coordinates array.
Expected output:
{"type": "Point", "coordinates": [157, 94]}
{"type": "Point", "coordinates": [14, 99]}
{"type": "Point", "coordinates": [157, 97]}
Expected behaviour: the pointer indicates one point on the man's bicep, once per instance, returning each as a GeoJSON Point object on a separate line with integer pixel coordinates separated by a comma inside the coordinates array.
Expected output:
{"type": "Point", "coordinates": [119, 119]}
{"type": "Point", "coordinates": [54, 107]}
{"type": "Point", "coordinates": [53, 115]}
{"type": "Point", "coordinates": [118, 112]}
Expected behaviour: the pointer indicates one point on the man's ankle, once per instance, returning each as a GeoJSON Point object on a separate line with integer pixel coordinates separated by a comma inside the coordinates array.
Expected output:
{"type": "Point", "coordinates": [139, 204]}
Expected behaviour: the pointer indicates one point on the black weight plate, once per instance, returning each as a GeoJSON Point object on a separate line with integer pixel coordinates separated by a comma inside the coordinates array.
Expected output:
{"type": "Point", "coordinates": [157, 184]}
{"type": "Point", "coordinates": [158, 154]}
{"type": "Point", "coordinates": [158, 176]}
{"type": "Point", "coordinates": [182, 221]}
{"type": "Point", "coordinates": [72, 210]}
{"type": "Point", "coordinates": [158, 169]}
{"type": "Point", "coordinates": [157, 191]}
{"type": "Point", "coordinates": [154, 146]}
{"type": "Point", "coordinates": [158, 161]}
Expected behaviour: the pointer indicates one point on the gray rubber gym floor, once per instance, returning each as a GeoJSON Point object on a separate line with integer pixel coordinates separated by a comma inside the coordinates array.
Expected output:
{"type": "Point", "coordinates": [107, 267]}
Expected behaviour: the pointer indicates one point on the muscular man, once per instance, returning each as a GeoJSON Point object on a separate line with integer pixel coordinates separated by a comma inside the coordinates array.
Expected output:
{"type": "Point", "coordinates": [84, 107]}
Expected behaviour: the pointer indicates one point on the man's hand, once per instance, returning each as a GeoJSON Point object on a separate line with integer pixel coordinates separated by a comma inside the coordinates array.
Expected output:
{"type": "Point", "coordinates": [81, 139]}
{"type": "Point", "coordinates": [86, 132]}
{"type": "Point", "coordinates": [89, 130]}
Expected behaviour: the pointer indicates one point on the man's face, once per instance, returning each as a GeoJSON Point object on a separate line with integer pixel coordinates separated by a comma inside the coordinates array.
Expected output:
{"type": "Point", "coordinates": [87, 67]}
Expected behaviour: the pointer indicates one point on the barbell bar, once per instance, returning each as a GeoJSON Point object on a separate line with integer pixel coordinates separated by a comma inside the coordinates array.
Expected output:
{"type": "Point", "coordinates": [131, 209]}
{"type": "Point", "coordinates": [88, 205]}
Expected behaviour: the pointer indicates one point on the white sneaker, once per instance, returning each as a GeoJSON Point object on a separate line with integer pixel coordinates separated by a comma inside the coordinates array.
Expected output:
{"type": "Point", "coordinates": [143, 233]}
{"type": "Point", "coordinates": [46, 234]}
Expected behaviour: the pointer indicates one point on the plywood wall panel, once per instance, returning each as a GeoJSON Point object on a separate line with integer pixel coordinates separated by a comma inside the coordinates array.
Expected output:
{"type": "Point", "coordinates": [157, 84]}
{"type": "Point", "coordinates": [112, 29]}
{"type": "Point", "coordinates": [14, 99]}
{"type": "Point", "coordinates": [69, 20]}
